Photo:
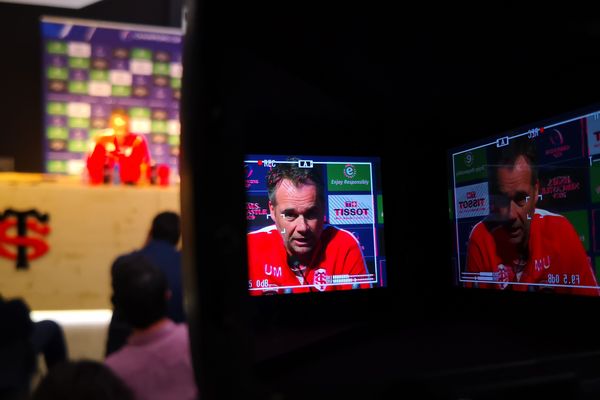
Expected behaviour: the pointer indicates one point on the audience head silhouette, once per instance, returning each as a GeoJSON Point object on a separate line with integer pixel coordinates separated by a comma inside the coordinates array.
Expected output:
{"type": "Point", "coordinates": [140, 291]}
{"type": "Point", "coordinates": [74, 380]}
{"type": "Point", "coordinates": [166, 226]}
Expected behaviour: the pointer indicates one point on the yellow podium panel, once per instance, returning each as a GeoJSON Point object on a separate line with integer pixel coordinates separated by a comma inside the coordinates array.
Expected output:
{"type": "Point", "coordinates": [88, 227]}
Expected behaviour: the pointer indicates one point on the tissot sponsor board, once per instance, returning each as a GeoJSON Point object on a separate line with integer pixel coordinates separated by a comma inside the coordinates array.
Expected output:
{"type": "Point", "coordinates": [351, 209]}
{"type": "Point", "coordinates": [472, 200]}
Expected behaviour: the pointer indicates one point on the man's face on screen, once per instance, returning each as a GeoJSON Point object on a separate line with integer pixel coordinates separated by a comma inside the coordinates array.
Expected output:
{"type": "Point", "coordinates": [518, 198]}
{"type": "Point", "coordinates": [298, 215]}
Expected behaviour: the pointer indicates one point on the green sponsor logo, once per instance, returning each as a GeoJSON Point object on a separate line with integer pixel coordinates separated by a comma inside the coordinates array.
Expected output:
{"type": "Point", "coordinates": [77, 146]}
{"type": "Point", "coordinates": [348, 177]}
{"type": "Point", "coordinates": [173, 140]}
{"type": "Point", "coordinates": [57, 73]}
{"type": "Point", "coordinates": [98, 75]}
{"type": "Point", "coordinates": [470, 165]}
{"type": "Point", "coordinates": [57, 132]}
{"type": "Point", "coordinates": [159, 126]}
{"type": "Point", "coordinates": [56, 108]}
{"type": "Point", "coordinates": [379, 209]}
{"type": "Point", "coordinates": [79, 123]}
{"type": "Point", "coordinates": [139, 112]}
{"type": "Point", "coordinates": [78, 87]}
{"type": "Point", "coordinates": [56, 47]}
{"type": "Point", "coordinates": [79, 62]}
{"type": "Point", "coordinates": [121, 91]}
{"type": "Point", "coordinates": [597, 267]}
{"type": "Point", "coordinates": [141, 54]}
{"type": "Point", "coordinates": [161, 68]}
{"type": "Point", "coordinates": [176, 83]}
{"type": "Point", "coordinates": [579, 219]}
{"type": "Point", "coordinates": [56, 166]}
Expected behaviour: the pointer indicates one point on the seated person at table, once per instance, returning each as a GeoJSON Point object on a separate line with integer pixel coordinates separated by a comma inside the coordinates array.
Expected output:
{"type": "Point", "coordinates": [118, 146]}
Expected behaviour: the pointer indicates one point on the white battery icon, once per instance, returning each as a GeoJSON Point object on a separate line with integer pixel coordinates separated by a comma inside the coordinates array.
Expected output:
{"type": "Point", "coordinates": [305, 163]}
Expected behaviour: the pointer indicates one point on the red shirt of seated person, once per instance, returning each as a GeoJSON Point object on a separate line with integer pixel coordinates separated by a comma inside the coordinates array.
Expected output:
{"type": "Point", "coordinates": [119, 146]}
{"type": "Point", "coordinates": [520, 247]}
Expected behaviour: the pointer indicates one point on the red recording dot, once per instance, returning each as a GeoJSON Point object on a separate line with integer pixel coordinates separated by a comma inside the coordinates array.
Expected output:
{"type": "Point", "coordinates": [260, 163]}
{"type": "Point", "coordinates": [542, 129]}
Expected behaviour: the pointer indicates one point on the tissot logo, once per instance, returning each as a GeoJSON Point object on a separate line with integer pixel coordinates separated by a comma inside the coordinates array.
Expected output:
{"type": "Point", "coordinates": [350, 209]}
{"type": "Point", "coordinates": [474, 203]}
{"type": "Point", "coordinates": [24, 222]}
{"type": "Point", "coordinates": [472, 200]}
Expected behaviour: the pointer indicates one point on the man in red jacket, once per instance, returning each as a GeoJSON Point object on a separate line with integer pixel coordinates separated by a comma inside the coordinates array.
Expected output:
{"type": "Point", "coordinates": [119, 147]}
{"type": "Point", "coordinates": [519, 247]}
{"type": "Point", "coordinates": [300, 253]}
